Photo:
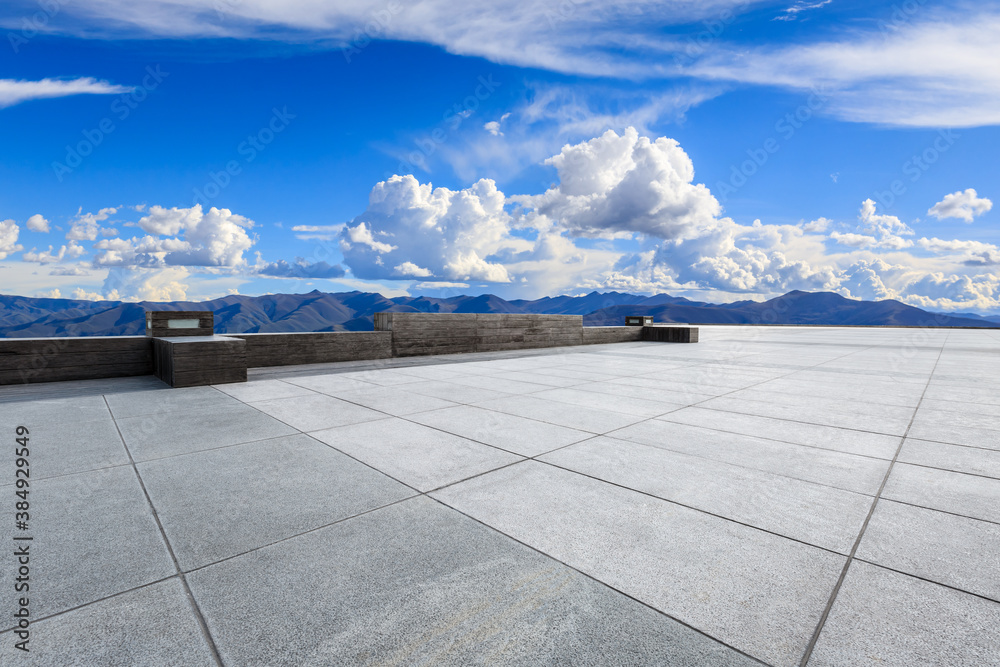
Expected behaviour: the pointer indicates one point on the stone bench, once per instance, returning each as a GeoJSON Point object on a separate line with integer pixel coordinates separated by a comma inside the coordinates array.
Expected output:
{"type": "Point", "coordinates": [191, 361]}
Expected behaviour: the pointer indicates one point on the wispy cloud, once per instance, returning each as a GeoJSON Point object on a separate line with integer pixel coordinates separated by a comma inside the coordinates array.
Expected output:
{"type": "Point", "coordinates": [14, 91]}
{"type": "Point", "coordinates": [792, 13]}
{"type": "Point", "coordinates": [940, 71]}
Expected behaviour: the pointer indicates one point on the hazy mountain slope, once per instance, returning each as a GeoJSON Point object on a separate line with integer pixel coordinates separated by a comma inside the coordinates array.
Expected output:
{"type": "Point", "coordinates": [354, 311]}
{"type": "Point", "coordinates": [821, 308]}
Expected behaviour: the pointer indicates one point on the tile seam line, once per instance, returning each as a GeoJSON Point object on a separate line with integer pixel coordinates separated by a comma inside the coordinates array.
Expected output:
{"type": "Point", "coordinates": [937, 509]}
{"type": "Point", "coordinates": [603, 583]}
{"type": "Point", "coordinates": [678, 503]}
{"type": "Point", "coordinates": [402, 418]}
{"type": "Point", "coordinates": [282, 540]}
{"type": "Point", "coordinates": [857, 543]}
{"type": "Point", "coordinates": [84, 605]}
{"type": "Point", "coordinates": [798, 421]}
{"type": "Point", "coordinates": [742, 466]}
{"type": "Point", "coordinates": [784, 442]}
{"type": "Point", "coordinates": [308, 434]}
{"type": "Point", "coordinates": [995, 600]}
{"type": "Point", "coordinates": [510, 537]}
{"type": "Point", "coordinates": [199, 617]}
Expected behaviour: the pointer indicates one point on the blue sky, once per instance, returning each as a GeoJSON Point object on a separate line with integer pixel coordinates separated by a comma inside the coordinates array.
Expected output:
{"type": "Point", "coordinates": [719, 150]}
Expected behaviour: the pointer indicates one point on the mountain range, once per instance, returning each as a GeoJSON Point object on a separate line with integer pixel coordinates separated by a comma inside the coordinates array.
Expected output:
{"type": "Point", "coordinates": [22, 317]}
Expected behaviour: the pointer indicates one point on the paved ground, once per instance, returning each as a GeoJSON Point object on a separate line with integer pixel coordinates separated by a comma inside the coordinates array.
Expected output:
{"type": "Point", "coordinates": [774, 496]}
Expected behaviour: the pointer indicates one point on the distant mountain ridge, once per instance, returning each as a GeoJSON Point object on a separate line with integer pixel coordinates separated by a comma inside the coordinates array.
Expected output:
{"type": "Point", "coordinates": [22, 317]}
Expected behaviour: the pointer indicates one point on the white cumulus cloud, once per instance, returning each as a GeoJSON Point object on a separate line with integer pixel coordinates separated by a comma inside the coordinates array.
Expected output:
{"type": "Point", "coordinates": [9, 232]}
{"type": "Point", "coordinates": [624, 184]}
{"type": "Point", "coordinates": [962, 205]}
{"type": "Point", "coordinates": [449, 234]}
{"type": "Point", "coordinates": [86, 226]}
{"type": "Point", "coordinates": [37, 223]}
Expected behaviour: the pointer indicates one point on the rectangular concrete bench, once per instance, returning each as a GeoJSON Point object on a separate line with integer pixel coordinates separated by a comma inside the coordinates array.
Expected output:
{"type": "Point", "coordinates": [191, 361]}
{"type": "Point", "coordinates": [670, 333]}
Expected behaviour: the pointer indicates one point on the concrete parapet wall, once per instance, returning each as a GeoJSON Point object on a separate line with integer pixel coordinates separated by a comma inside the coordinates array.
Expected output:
{"type": "Point", "coordinates": [24, 360]}
{"type": "Point", "coordinates": [599, 335]}
{"type": "Point", "coordinates": [289, 349]}
{"type": "Point", "coordinates": [436, 333]}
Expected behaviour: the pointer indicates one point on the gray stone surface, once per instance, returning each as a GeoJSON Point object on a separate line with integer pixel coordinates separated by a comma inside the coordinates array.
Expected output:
{"type": "Point", "coordinates": [502, 385]}
{"type": "Point", "coordinates": [422, 457]}
{"type": "Point", "coordinates": [667, 391]}
{"type": "Point", "coordinates": [168, 400]}
{"type": "Point", "coordinates": [155, 436]}
{"type": "Point", "coordinates": [224, 489]}
{"type": "Point", "coordinates": [434, 587]}
{"type": "Point", "coordinates": [456, 393]}
{"type": "Point", "coordinates": [311, 413]}
{"type": "Point", "coordinates": [154, 625]}
{"type": "Point", "coordinates": [844, 471]}
{"type": "Point", "coordinates": [393, 400]}
{"type": "Point", "coordinates": [68, 409]}
{"type": "Point", "coordinates": [820, 515]}
{"type": "Point", "coordinates": [262, 390]}
{"type": "Point", "coordinates": [826, 437]}
{"type": "Point", "coordinates": [94, 536]}
{"type": "Point", "coordinates": [258, 493]}
{"type": "Point", "coordinates": [968, 495]}
{"type": "Point", "coordinates": [948, 549]}
{"type": "Point", "coordinates": [629, 405]}
{"type": "Point", "coordinates": [886, 618]}
{"type": "Point", "coordinates": [592, 420]}
{"type": "Point", "coordinates": [755, 591]}
{"type": "Point", "coordinates": [955, 433]}
{"type": "Point", "coordinates": [60, 448]}
{"type": "Point", "coordinates": [520, 435]}
{"type": "Point", "coordinates": [957, 458]}
{"type": "Point", "coordinates": [328, 383]}
{"type": "Point", "coordinates": [892, 422]}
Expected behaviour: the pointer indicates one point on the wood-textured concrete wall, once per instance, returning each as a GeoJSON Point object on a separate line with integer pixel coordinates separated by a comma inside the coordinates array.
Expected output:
{"type": "Point", "coordinates": [194, 361]}
{"type": "Point", "coordinates": [599, 335]}
{"type": "Point", "coordinates": [24, 360]}
{"type": "Point", "coordinates": [438, 333]}
{"type": "Point", "coordinates": [288, 349]}
{"type": "Point", "coordinates": [670, 334]}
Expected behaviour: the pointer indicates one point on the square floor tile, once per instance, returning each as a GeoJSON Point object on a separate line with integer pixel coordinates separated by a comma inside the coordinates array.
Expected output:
{"type": "Point", "coordinates": [165, 434]}
{"type": "Point", "coordinates": [262, 390]}
{"type": "Point", "coordinates": [218, 503]}
{"type": "Point", "coordinates": [417, 583]}
{"type": "Point", "coordinates": [592, 420]}
{"type": "Point", "coordinates": [394, 400]}
{"type": "Point", "coordinates": [94, 536]}
{"type": "Point", "coordinates": [56, 447]}
{"type": "Point", "coordinates": [154, 625]}
{"type": "Point", "coordinates": [886, 618]}
{"type": "Point", "coordinates": [758, 592]}
{"type": "Point", "coordinates": [948, 549]}
{"type": "Point", "coordinates": [520, 435]}
{"type": "Point", "coordinates": [814, 435]}
{"type": "Point", "coordinates": [422, 457]}
{"type": "Point", "coordinates": [311, 413]}
{"type": "Point", "coordinates": [968, 495]}
{"type": "Point", "coordinates": [820, 515]}
{"type": "Point", "coordinates": [957, 458]}
{"type": "Point", "coordinates": [860, 474]}
{"type": "Point", "coordinates": [181, 399]}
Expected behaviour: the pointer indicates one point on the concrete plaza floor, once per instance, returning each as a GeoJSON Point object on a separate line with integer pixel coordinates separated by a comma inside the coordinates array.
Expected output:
{"type": "Point", "coordinates": [777, 496]}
